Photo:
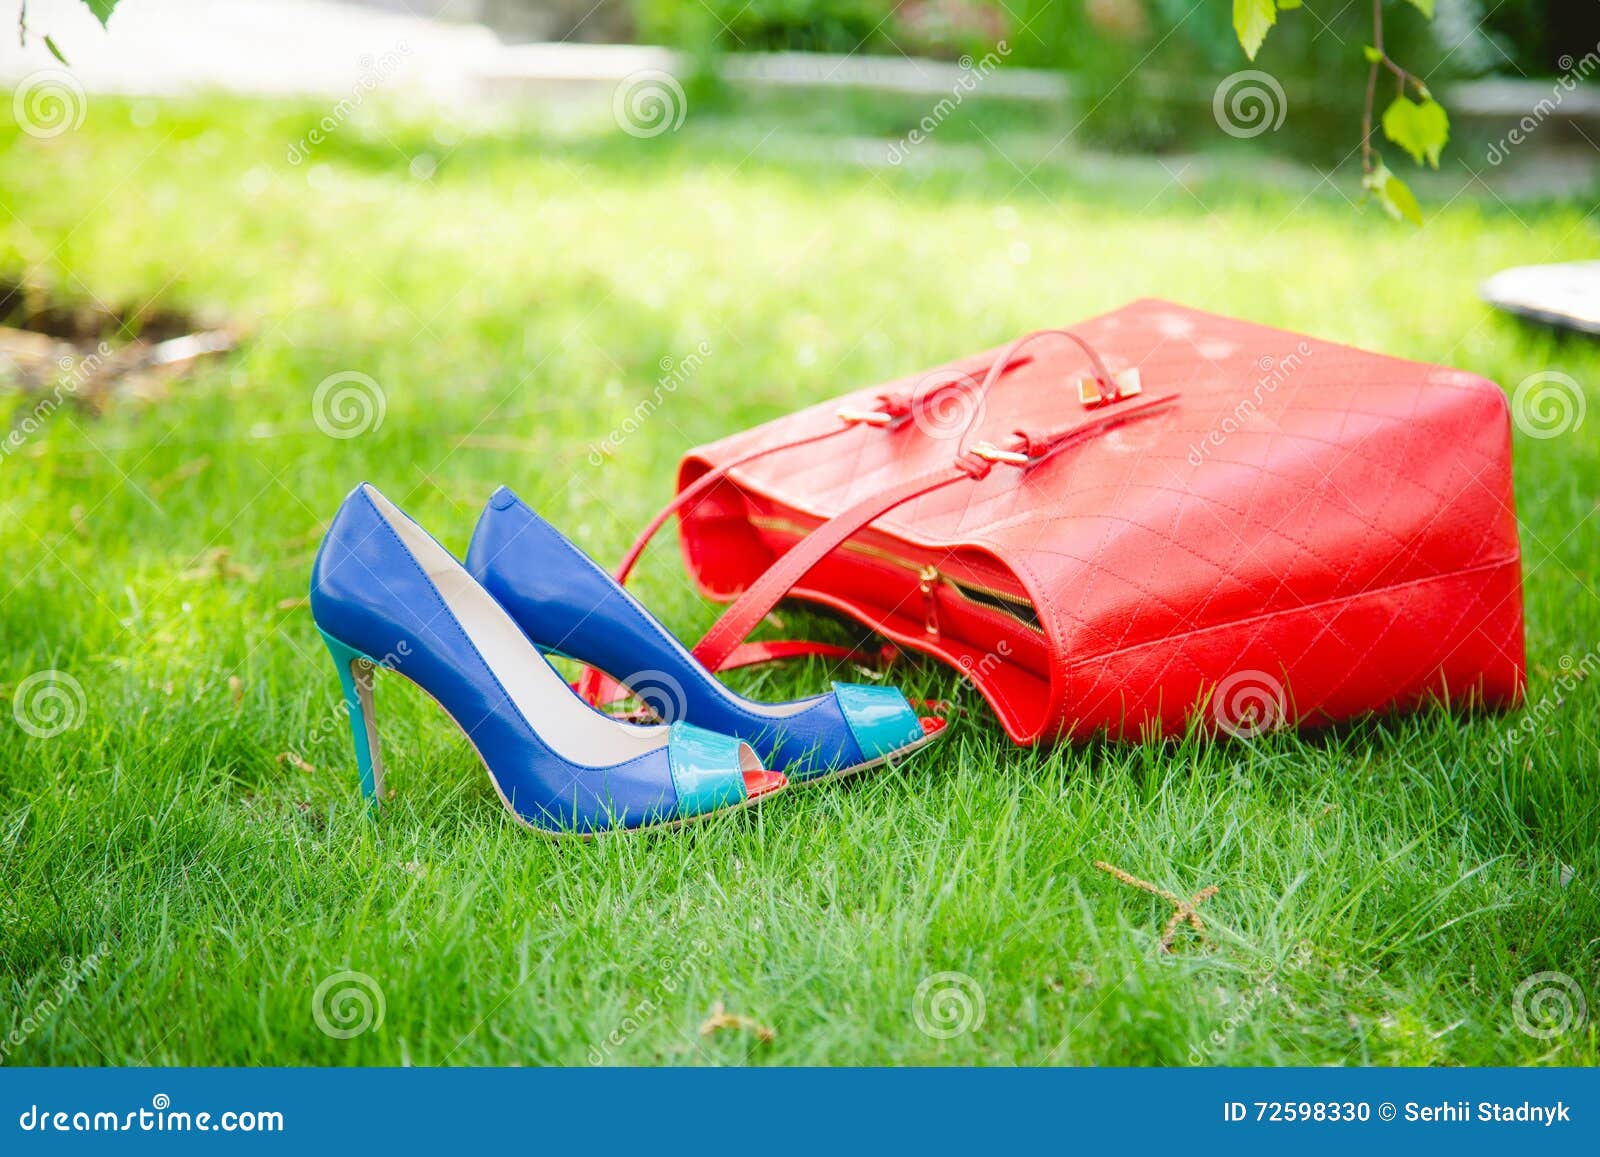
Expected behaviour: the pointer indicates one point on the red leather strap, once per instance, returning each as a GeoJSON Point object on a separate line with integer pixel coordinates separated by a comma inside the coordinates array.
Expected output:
{"type": "Point", "coordinates": [903, 403]}
{"type": "Point", "coordinates": [1039, 445]}
{"type": "Point", "coordinates": [598, 689]}
{"type": "Point", "coordinates": [778, 579]}
{"type": "Point", "coordinates": [896, 406]}
{"type": "Point", "coordinates": [771, 650]}
{"type": "Point", "coordinates": [594, 686]}
{"type": "Point", "coordinates": [694, 491]}
{"type": "Point", "coordinates": [1003, 361]}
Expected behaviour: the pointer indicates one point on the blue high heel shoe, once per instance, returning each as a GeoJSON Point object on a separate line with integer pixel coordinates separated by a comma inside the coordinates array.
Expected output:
{"type": "Point", "coordinates": [385, 594]}
{"type": "Point", "coordinates": [568, 605]}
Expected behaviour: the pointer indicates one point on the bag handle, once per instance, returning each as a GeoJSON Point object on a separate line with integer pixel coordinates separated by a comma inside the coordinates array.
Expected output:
{"type": "Point", "coordinates": [595, 687]}
{"type": "Point", "coordinates": [723, 646]}
{"type": "Point", "coordinates": [695, 491]}
{"type": "Point", "coordinates": [974, 464]}
{"type": "Point", "coordinates": [893, 409]}
{"type": "Point", "coordinates": [761, 596]}
{"type": "Point", "coordinates": [971, 463]}
{"type": "Point", "coordinates": [897, 405]}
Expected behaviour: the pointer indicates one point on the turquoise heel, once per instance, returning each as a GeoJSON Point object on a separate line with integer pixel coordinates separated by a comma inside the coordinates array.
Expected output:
{"type": "Point", "coordinates": [355, 675]}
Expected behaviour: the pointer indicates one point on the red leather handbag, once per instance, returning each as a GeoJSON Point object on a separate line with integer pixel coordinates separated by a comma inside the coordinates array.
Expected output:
{"type": "Point", "coordinates": [1157, 517]}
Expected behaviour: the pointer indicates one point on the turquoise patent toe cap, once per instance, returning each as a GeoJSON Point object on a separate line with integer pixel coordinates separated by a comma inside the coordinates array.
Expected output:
{"type": "Point", "coordinates": [879, 717]}
{"type": "Point", "coordinates": [707, 768]}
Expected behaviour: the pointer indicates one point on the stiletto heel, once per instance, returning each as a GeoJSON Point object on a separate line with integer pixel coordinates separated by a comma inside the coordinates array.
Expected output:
{"type": "Point", "coordinates": [381, 585]}
{"type": "Point", "coordinates": [356, 677]}
{"type": "Point", "coordinates": [566, 604]}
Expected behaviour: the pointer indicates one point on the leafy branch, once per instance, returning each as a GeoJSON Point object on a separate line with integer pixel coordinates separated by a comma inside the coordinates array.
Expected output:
{"type": "Point", "coordinates": [1420, 126]}
{"type": "Point", "coordinates": [102, 10]}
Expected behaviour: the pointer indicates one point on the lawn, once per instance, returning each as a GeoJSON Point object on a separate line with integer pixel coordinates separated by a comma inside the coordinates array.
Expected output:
{"type": "Point", "coordinates": [185, 866]}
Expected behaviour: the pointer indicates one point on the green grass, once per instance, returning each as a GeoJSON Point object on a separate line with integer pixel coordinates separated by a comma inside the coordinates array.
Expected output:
{"type": "Point", "coordinates": [1382, 889]}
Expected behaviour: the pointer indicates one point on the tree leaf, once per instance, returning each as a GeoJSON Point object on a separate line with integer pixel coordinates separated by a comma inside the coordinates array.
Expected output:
{"type": "Point", "coordinates": [1400, 126]}
{"type": "Point", "coordinates": [1288, 5]}
{"type": "Point", "coordinates": [1400, 200]}
{"type": "Point", "coordinates": [55, 52]}
{"type": "Point", "coordinates": [102, 9]}
{"type": "Point", "coordinates": [1251, 19]}
{"type": "Point", "coordinates": [1372, 54]}
{"type": "Point", "coordinates": [1393, 194]}
{"type": "Point", "coordinates": [1423, 6]}
{"type": "Point", "coordinates": [1436, 129]}
{"type": "Point", "coordinates": [1422, 129]}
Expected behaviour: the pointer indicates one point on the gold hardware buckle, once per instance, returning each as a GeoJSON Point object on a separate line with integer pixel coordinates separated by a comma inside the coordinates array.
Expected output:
{"type": "Point", "coordinates": [870, 417]}
{"type": "Point", "coordinates": [1126, 385]}
{"type": "Point", "coordinates": [989, 452]}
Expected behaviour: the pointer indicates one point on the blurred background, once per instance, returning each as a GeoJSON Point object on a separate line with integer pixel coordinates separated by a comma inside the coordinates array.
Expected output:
{"type": "Point", "coordinates": [1119, 76]}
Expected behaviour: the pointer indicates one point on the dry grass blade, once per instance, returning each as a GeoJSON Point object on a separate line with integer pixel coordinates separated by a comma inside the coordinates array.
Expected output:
{"type": "Point", "coordinates": [1183, 911]}
{"type": "Point", "coordinates": [720, 1018]}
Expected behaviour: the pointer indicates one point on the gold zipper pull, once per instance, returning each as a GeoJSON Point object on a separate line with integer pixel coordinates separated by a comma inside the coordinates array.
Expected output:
{"type": "Point", "coordinates": [927, 581]}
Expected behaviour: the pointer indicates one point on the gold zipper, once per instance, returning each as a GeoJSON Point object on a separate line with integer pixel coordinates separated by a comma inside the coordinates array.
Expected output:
{"type": "Point", "coordinates": [928, 578]}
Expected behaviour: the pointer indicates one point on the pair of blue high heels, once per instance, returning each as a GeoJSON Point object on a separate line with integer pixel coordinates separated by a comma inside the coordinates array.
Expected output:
{"type": "Point", "coordinates": [385, 594]}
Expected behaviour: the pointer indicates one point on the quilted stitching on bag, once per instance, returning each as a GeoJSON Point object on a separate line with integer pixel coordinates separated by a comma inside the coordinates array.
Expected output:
{"type": "Point", "coordinates": [1294, 481]}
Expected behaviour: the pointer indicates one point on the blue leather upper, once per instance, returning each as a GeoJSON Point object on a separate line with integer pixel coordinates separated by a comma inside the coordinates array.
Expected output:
{"type": "Point", "coordinates": [566, 603]}
{"type": "Point", "coordinates": [369, 592]}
